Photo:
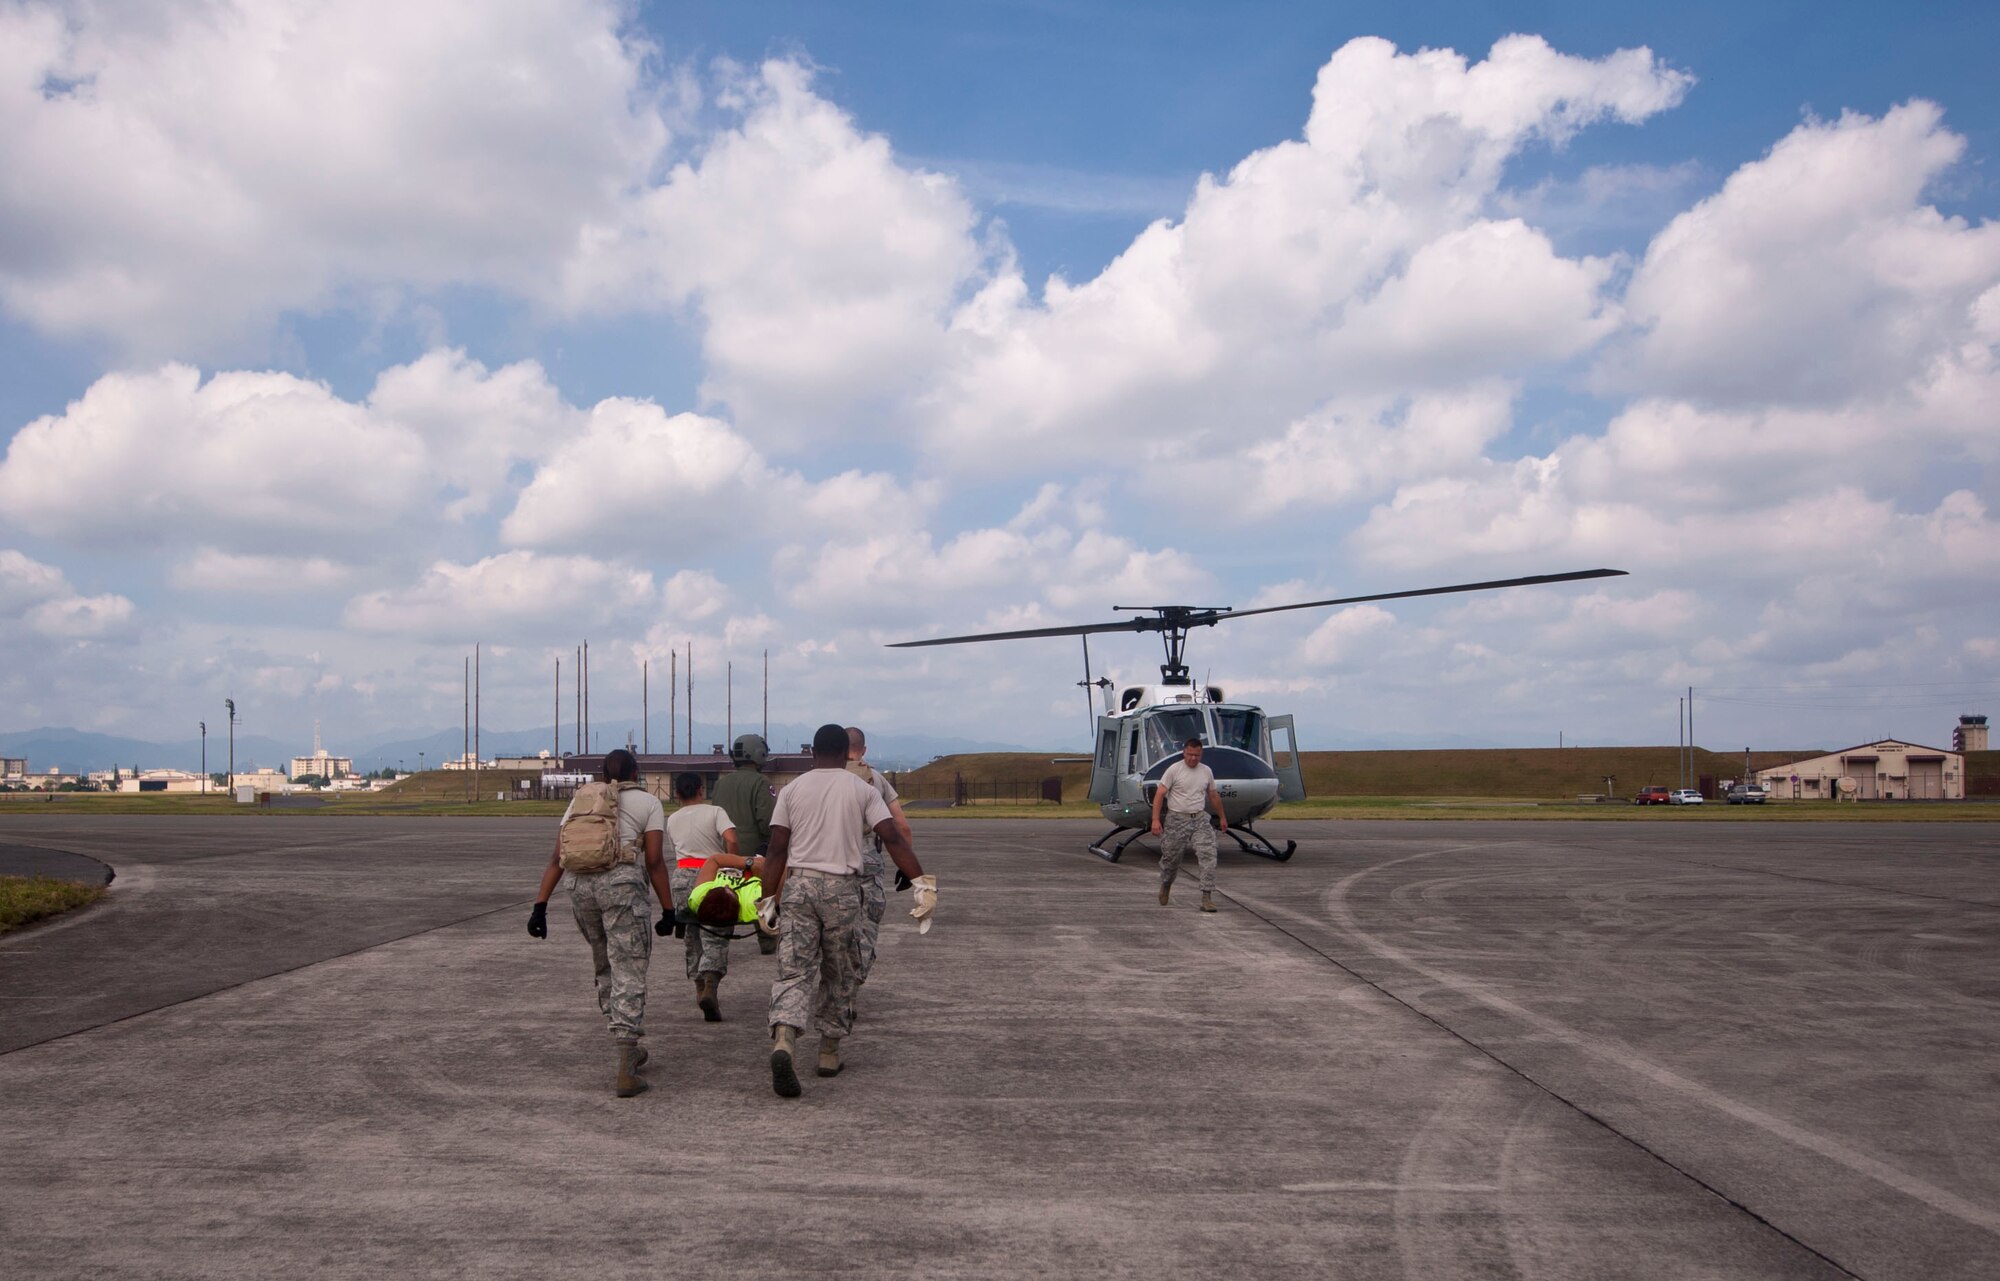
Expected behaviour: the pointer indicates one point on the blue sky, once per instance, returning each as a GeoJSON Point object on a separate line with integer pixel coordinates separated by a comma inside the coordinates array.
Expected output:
{"type": "Point", "coordinates": [335, 338]}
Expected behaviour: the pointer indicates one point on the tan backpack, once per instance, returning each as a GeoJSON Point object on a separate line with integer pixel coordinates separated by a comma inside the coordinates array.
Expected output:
{"type": "Point", "coordinates": [588, 841]}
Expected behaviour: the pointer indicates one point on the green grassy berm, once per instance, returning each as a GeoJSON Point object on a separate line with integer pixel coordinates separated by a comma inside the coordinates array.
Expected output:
{"type": "Point", "coordinates": [27, 899]}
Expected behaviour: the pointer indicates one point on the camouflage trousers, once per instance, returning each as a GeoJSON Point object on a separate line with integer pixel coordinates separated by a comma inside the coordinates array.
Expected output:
{"type": "Point", "coordinates": [874, 902]}
{"type": "Point", "coordinates": [707, 951]}
{"type": "Point", "coordinates": [613, 909]}
{"type": "Point", "coordinates": [1177, 832]}
{"type": "Point", "coordinates": [819, 952]}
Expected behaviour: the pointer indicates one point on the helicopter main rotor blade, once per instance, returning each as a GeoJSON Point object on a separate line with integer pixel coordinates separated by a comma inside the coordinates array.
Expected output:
{"type": "Point", "coordinates": [1080, 629]}
{"type": "Point", "coordinates": [1529, 581]}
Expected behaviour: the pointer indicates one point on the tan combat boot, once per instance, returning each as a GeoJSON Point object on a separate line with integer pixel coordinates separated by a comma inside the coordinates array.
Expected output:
{"type": "Point", "coordinates": [705, 993]}
{"type": "Point", "coordinates": [1166, 888]}
{"type": "Point", "coordinates": [1207, 902]}
{"type": "Point", "coordinates": [829, 1056]}
{"type": "Point", "coordinates": [784, 1078]}
{"type": "Point", "coordinates": [629, 1081]}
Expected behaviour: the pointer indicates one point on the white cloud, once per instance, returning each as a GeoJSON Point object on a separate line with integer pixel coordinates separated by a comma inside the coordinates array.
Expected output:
{"type": "Point", "coordinates": [821, 268]}
{"type": "Point", "coordinates": [177, 180]}
{"type": "Point", "coordinates": [213, 571]}
{"type": "Point", "coordinates": [512, 594]}
{"type": "Point", "coordinates": [41, 597]}
{"type": "Point", "coordinates": [1346, 635]}
{"type": "Point", "coordinates": [1355, 261]}
{"type": "Point", "coordinates": [1815, 275]}
{"type": "Point", "coordinates": [248, 458]}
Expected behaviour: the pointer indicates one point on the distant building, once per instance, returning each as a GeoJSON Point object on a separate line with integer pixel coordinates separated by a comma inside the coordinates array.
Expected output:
{"type": "Point", "coordinates": [323, 764]}
{"type": "Point", "coordinates": [13, 768]}
{"type": "Point", "coordinates": [1889, 770]}
{"type": "Point", "coordinates": [164, 780]}
{"type": "Point", "coordinates": [1970, 736]}
{"type": "Point", "coordinates": [542, 760]}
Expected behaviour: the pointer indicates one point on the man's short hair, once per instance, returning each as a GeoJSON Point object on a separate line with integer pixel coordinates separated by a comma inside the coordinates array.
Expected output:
{"type": "Point", "coordinates": [1193, 742]}
{"type": "Point", "coordinates": [620, 766]}
{"type": "Point", "coordinates": [718, 906]}
{"type": "Point", "coordinates": [687, 785]}
{"type": "Point", "coordinates": [856, 740]}
{"type": "Point", "coordinates": [830, 740]}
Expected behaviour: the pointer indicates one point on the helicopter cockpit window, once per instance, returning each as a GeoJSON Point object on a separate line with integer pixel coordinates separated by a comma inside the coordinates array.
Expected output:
{"type": "Point", "coordinates": [1107, 749]}
{"type": "Point", "coordinates": [1240, 727]}
{"type": "Point", "coordinates": [1166, 731]}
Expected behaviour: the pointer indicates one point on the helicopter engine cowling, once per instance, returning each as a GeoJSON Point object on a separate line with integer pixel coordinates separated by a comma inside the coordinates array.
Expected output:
{"type": "Point", "coordinates": [1245, 781]}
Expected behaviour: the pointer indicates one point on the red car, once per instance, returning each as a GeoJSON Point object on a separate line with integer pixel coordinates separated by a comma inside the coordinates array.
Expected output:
{"type": "Point", "coordinates": [1654, 796]}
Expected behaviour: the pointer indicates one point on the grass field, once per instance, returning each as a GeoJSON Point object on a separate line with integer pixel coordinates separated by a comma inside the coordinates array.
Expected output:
{"type": "Point", "coordinates": [27, 899]}
{"type": "Point", "coordinates": [1499, 783]}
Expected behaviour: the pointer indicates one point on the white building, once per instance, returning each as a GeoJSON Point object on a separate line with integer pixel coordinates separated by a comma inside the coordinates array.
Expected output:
{"type": "Point", "coordinates": [166, 780]}
{"type": "Point", "coordinates": [323, 764]}
{"type": "Point", "coordinates": [1889, 770]}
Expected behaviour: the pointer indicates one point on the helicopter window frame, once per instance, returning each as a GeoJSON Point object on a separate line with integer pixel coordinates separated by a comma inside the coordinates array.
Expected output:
{"type": "Point", "coordinates": [1240, 727]}
{"type": "Point", "coordinates": [1107, 747]}
{"type": "Point", "coordinates": [1185, 722]}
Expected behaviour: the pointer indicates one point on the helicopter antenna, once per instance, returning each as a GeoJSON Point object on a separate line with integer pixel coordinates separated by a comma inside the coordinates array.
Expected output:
{"type": "Point", "coordinates": [1089, 706]}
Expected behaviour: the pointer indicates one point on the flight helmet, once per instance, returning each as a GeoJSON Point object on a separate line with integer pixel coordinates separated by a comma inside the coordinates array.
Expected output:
{"type": "Point", "coordinates": [751, 748]}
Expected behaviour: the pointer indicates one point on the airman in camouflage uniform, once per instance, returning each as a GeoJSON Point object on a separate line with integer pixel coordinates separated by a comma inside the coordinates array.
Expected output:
{"type": "Point", "coordinates": [748, 798]}
{"type": "Point", "coordinates": [874, 863]}
{"type": "Point", "coordinates": [611, 910]}
{"type": "Point", "coordinates": [815, 857]}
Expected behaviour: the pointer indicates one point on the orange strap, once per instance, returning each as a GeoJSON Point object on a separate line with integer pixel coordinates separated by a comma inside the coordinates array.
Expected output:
{"type": "Point", "coordinates": [692, 862]}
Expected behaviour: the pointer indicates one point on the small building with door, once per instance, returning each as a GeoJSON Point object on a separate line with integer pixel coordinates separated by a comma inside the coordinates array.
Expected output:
{"type": "Point", "coordinates": [1887, 770]}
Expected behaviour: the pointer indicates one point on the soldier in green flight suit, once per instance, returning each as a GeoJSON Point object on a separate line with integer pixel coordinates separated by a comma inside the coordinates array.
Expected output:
{"type": "Point", "coordinates": [749, 799]}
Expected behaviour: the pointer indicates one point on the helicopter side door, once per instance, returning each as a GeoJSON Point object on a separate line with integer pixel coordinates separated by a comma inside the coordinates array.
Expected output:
{"type": "Point", "coordinates": [1285, 760]}
{"type": "Point", "coordinates": [1104, 764]}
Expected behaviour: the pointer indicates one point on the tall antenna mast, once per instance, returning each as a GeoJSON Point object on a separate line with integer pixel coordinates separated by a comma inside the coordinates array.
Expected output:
{"type": "Point", "coordinates": [767, 696]}
{"type": "Point", "coordinates": [645, 708]}
{"type": "Point", "coordinates": [673, 700]}
{"type": "Point", "coordinates": [729, 700]}
{"type": "Point", "coordinates": [558, 729]}
{"type": "Point", "coordinates": [690, 713]}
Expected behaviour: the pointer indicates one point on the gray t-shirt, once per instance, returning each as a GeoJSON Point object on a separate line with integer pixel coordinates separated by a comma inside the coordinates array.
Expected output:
{"type": "Point", "coordinates": [1187, 789]}
{"type": "Point", "coordinates": [695, 831]}
{"type": "Point", "coordinates": [826, 811]}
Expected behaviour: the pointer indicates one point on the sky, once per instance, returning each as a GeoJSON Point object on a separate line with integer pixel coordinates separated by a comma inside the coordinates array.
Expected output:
{"type": "Point", "coordinates": [336, 339]}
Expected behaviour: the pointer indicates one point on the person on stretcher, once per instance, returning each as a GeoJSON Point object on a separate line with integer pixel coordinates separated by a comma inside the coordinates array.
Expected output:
{"type": "Point", "coordinates": [725, 897]}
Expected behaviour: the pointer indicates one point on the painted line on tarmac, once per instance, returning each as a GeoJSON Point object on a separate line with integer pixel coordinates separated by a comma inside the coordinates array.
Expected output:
{"type": "Point", "coordinates": [1397, 1188]}
{"type": "Point", "coordinates": [1939, 1199]}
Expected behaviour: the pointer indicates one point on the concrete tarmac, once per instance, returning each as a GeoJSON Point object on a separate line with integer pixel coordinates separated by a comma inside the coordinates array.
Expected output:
{"type": "Point", "coordinates": [1418, 1050]}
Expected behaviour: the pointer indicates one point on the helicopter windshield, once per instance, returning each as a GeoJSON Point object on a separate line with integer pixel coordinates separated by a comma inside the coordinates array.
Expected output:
{"type": "Point", "coordinates": [1240, 727]}
{"type": "Point", "coordinates": [1166, 731]}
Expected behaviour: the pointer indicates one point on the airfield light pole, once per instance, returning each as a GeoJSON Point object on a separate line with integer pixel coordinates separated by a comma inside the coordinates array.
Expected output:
{"type": "Point", "coordinates": [204, 756]}
{"type": "Point", "coordinates": [230, 703]}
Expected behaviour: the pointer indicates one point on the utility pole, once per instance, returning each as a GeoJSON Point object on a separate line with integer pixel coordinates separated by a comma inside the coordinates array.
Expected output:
{"type": "Point", "coordinates": [204, 757]}
{"type": "Point", "coordinates": [645, 707]}
{"type": "Point", "coordinates": [475, 720]}
{"type": "Point", "coordinates": [690, 680]}
{"type": "Point", "coordinates": [767, 697]}
{"type": "Point", "coordinates": [578, 682]}
{"type": "Point", "coordinates": [673, 702]}
{"type": "Point", "coordinates": [1694, 779]}
{"type": "Point", "coordinates": [558, 730]}
{"type": "Point", "coordinates": [465, 745]}
{"type": "Point", "coordinates": [230, 703]}
{"type": "Point", "coordinates": [586, 696]}
{"type": "Point", "coordinates": [729, 701]}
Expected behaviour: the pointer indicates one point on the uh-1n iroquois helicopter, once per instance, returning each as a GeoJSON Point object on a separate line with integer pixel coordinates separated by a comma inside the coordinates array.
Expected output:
{"type": "Point", "coordinates": [1138, 740]}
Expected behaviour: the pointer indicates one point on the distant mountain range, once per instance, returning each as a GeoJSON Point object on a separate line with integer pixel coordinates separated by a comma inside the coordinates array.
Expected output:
{"type": "Point", "coordinates": [72, 751]}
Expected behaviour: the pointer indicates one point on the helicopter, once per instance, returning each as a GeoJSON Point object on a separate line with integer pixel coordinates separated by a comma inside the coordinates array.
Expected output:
{"type": "Point", "coordinates": [1255, 756]}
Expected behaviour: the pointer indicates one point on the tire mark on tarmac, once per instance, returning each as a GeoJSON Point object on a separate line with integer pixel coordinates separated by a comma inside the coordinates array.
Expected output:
{"type": "Point", "coordinates": [1822, 880]}
{"type": "Point", "coordinates": [241, 983]}
{"type": "Point", "coordinates": [1940, 1199]}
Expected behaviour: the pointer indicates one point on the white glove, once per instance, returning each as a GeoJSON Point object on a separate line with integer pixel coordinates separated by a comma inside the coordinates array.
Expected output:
{"type": "Point", "coordinates": [926, 888]}
{"type": "Point", "coordinates": [767, 914]}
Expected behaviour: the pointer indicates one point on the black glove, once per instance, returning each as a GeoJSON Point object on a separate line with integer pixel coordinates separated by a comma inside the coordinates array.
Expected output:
{"type": "Point", "coordinates": [903, 881]}
{"type": "Point", "coordinates": [664, 927]}
{"type": "Point", "coordinates": [538, 921]}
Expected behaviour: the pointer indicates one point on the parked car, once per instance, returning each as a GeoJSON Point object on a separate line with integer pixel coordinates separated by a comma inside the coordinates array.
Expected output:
{"type": "Point", "coordinates": [1653, 796]}
{"type": "Point", "coordinates": [1684, 796]}
{"type": "Point", "coordinates": [1746, 794]}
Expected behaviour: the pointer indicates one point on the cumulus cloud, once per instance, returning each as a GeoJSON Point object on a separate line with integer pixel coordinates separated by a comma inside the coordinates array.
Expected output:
{"type": "Point", "coordinates": [247, 458]}
{"type": "Point", "coordinates": [513, 593]}
{"type": "Point", "coordinates": [1816, 275]}
{"type": "Point", "coordinates": [177, 180]}
{"type": "Point", "coordinates": [40, 597]}
{"type": "Point", "coordinates": [821, 268]}
{"type": "Point", "coordinates": [213, 571]}
{"type": "Point", "coordinates": [1357, 259]}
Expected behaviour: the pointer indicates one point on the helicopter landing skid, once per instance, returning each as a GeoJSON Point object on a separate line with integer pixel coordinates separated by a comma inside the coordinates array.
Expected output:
{"type": "Point", "coordinates": [1111, 855]}
{"type": "Point", "coordinates": [1263, 848]}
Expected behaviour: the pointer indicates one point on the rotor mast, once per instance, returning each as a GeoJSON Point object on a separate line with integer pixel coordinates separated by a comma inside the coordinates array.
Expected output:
{"type": "Point", "coordinates": [1173, 624]}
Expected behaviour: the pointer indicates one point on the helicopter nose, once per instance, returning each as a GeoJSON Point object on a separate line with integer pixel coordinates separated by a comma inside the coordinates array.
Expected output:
{"type": "Point", "coordinates": [1228, 764]}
